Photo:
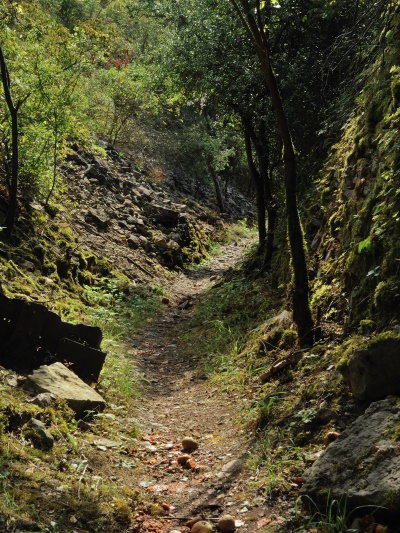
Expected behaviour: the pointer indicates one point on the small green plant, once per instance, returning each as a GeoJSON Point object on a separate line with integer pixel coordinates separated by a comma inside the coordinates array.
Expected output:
{"type": "Point", "coordinates": [242, 229]}
{"type": "Point", "coordinates": [366, 246]}
{"type": "Point", "coordinates": [8, 498]}
{"type": "Point", "coordinates": [118, 310]}
{"type": "Point", "coordinates": [274, 466]}
{"type": "Point", "coordinates": [266, 406]}
{"type": "Point", "coordinates": [306, 415]}
{"type": "Point", "coordinates": [331, 518]}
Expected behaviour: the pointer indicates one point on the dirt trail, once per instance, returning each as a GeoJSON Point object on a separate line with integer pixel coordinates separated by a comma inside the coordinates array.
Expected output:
{"type": "Point", "coordinates": [177, 402]}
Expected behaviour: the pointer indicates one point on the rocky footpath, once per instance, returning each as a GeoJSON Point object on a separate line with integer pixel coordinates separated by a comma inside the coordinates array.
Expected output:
{"type": "Point", "coordinates": [204, 476]}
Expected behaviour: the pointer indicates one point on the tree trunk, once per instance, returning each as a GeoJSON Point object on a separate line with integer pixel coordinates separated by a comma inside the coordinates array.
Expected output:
{"type": "Point", "coordinates": [257, 29]}
{"type": "Point", "coordinates": [218, 193]}
{"type": "Point", "coordinates": [13, 110]}
{"type": "Point", "coordinates": [262, 150]}
{"type": "Point", "coordinates": [258, 185]}
{"type": "Point", "coordinates": [301, 309]}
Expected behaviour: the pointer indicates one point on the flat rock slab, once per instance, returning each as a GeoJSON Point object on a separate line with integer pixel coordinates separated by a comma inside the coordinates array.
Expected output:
{"type": "Point", "coordinates": [60, 381]}
{"type": "Point", "coordinates": [362, 466]}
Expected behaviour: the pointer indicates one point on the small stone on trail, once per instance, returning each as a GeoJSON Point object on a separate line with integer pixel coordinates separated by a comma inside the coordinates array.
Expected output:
{"type": "Point", "coordinates": [183, 459]}
{"type": "Point", "coordinates": [189, 444]}
{"type": "Point", "coordinates": [186, 461]}
{"type": "Point", "coordinates": [191, 463]}
{"type": "Point", "coordinates": [201, 527]}
{"type": "Point", "coordinates": [226, 524]}
{"type": "Point", "coordinates": [184, 305]}
{"type": "Point", "coordinates": [165, 300]}
{"type": "Point", "coordinates": [330, 437]}
{"type": "Point", "coordinates": [106, 443]}
{"type": "Point", "coordinates": [145, 484]}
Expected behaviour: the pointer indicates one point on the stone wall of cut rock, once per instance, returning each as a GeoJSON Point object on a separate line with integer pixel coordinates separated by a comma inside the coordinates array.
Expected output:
{"type": "Point", "coordinates": [31, 335]}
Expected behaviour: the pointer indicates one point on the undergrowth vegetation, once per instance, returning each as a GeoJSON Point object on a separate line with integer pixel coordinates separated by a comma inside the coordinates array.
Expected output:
{"type": "Point", "coordinates": [72, 486]}
{"type": "Point", "coordinates": [119, 309]}
{"type": "Point", "coordinates": [240, 331]}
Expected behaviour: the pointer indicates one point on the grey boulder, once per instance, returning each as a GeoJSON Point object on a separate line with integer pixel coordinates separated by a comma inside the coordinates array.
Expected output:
{"type": "Point", "coordinates": [373, 372]}
{"type": "Point", "coordinates": [362, 466]}
{"type": "Point", "coordinates": [57, 379]}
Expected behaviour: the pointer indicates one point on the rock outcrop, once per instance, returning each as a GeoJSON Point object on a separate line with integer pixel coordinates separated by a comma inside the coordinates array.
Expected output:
{"type": "Point", "coordinates": [361, 467]}
{"type": "Point", "coordinates": [62, 383]}
{"type": "Point", "coordinates": [136, 214]}
{"type": "Point", "coordinates": [373, 372]}
{"type": "Point", "coordinates": [30, 335]}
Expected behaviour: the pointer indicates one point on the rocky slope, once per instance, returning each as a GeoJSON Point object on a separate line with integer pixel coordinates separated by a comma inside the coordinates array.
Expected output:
{"type": "Point", "coordinates": [354, 228]}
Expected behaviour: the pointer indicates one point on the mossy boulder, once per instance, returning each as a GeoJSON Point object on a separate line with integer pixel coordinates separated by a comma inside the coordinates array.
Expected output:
{"type": "Point", "coordinates": [360, 467]}
{"type": "Point", "coordinates": [372, 370]}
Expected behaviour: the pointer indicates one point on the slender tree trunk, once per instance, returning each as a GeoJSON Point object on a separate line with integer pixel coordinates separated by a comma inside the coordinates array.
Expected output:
{"type": "Point", "coordinates": [258, 185]}
{"type": "Point", "coordinates": [256, 29]}
{"type": "Point", "coordinates": [301, 309]}
{"type": "Point", "coordinates": [13, 110]}
{"type": "Point", "coordinates": [218, 193]}
{"type": "Point", "coordinates": [262, 150]}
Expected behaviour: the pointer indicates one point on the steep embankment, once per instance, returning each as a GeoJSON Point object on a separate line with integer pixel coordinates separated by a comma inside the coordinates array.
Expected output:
{"type": "Point", "coordinates": [113, 221]}
{"type": "Point", "coordinates": [355, 238]}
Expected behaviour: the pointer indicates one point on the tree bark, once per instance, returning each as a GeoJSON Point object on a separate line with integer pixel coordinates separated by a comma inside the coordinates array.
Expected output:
{"type": "Point", "coordinates": [218, 193]}
{"type": "Point", "coordinates": [301, 309]}
{"type": "Point", "coordinates": [262, 150]}
{"type": "Point", "coordinates": [258, 185]}
{"type": "Point", "coordinates": [13, 110]}
{"type": "Point", "coordinates": [257, 33]}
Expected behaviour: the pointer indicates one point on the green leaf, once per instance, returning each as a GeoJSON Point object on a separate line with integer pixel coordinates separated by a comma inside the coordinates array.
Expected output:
{"type": "Point", "coordinates": [366, 246]}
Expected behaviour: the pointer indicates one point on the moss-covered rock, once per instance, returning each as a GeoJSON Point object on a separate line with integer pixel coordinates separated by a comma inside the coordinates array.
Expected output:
{"type": "Point", "coordinates": [359, 248]}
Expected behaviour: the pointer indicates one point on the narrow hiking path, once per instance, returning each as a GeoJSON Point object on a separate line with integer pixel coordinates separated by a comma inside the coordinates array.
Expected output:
{"type": "Point", "coordinates": [178, 401]}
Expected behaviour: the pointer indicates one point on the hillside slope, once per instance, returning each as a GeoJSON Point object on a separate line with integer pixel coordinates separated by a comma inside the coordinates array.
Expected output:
{"type": "Point", "coordinates": [355, 245]}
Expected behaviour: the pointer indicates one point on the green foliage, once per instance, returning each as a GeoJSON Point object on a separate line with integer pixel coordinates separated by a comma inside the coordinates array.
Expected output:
{"type": "Point", "coordinates": [366, 246]}
{"type": "Point", "coordinates": [117, 309]}
{"type": "Point", "coordinates": [265, 408]}
{"type": "Point", "coordinates": [329, 517]}
{"type": "Point", "coordinates": [75, 77]}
